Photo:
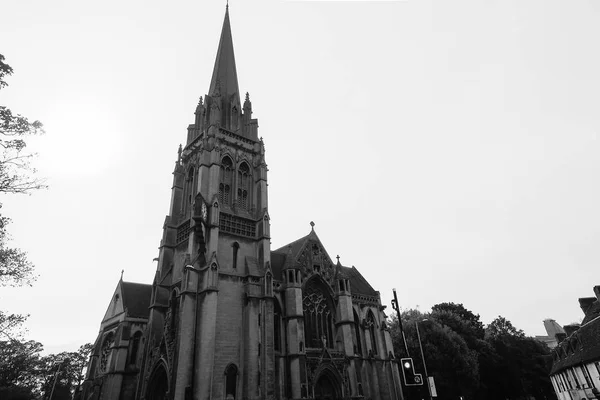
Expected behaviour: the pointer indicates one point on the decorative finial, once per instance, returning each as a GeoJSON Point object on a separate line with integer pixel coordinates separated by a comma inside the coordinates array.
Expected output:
{"type": "Point", "coordinates": [200, 101]}
{"type": "Point", "coordinates": [247, 96]}
{"type": "Point", "coordinates": [227, 6]}
{"type": "Point", "coordinates": [312, 225]}
{"type": "Point", "coordinates": [122, 273]}
{"type": "Point", "coordinates": [179, 152]}
{"type": "Point", "coordinates": [338, 258]}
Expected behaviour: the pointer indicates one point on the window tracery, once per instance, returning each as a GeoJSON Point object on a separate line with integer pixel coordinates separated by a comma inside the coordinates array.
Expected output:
{"type": "Point", "coordinates": [107, 346]}
{"type": "Point", "coordinates": [243, 191]}
{"type": "Point", "coordinates": [226, 181]}
{"type": "Point", "coordinates": [371, 328]}
{"type": "Point", "coordinates": [319, 316]}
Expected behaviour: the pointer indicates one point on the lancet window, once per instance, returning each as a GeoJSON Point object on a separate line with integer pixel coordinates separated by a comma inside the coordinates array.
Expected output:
{"type": "Point", "coordinates": [319, 315]}
{"type": "Point", "coordinates": [226, 181]}
{"type": "Point", "coordinates": [135, 347]}
{"type": "Point", "coordinates": [357, 343]}
{"type": "Point", "coordinates": [230, 381]}
{"type": "Point", "coordinates": [371, 328]}
{"type": "Point", "coordinates": [277, 327]}
{"type": "Point", "coordinates": [243, 191]}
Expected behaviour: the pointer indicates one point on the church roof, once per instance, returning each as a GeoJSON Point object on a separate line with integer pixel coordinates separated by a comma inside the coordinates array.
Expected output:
{"type": "Point", "coordinates": [136, 298]}
{"type": "Point", "coordinates": [224, 76]}
{"type": "Point", "coordinates": [287, 255]}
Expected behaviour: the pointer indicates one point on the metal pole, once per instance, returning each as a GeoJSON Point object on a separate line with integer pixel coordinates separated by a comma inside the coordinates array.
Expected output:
{"type": "Point", "coordinates": [55, 379]}
{"type": "Point", "coordinates": [396, 307]}
{"type": "Point", "coordinates": [423, 358]}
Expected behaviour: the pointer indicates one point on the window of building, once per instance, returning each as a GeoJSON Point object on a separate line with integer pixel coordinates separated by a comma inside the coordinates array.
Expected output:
{"type": "Point", "coordinates": [105, 351]}
{"type": "Point", "coordinates": [586, 375]}
{"type": "Point", "coordinates": [357, 343]}
{"type": "Point", "coordinates": [574, 373]}
{"type": "Point", "coordinates": [134, 347]}
{"type": "Point", "coordinates": [277, 327]}
{"type": "Point", "coordinates": [230, 381]}
{"type": "Point", "coordinates": [236, 247]}
{"type": "Point", "coordinates": [226, 179]}
{"type": "Point", "coordinates": [174, 303]}
{"type": "Point", "coordinates": [244, 182]}
{"type": "Point", "coordinates": [371, 326]}
{"type": "Point", "coordinates": [318, 315]}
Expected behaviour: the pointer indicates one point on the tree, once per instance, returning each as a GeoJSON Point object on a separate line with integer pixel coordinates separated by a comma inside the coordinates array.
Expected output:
{"type": "Point", "coordinates": [16, 176]}
{"type": "Point", "coordinates": [19, 361]}
{"type": "Point", "coordinates": [523, 363]}
{"type": "Point", "coordinates": [64, 372]}
{"type": "Point", "coordinates": [501, 327]}
{"type": "Point", "coordinates": [449, 360]}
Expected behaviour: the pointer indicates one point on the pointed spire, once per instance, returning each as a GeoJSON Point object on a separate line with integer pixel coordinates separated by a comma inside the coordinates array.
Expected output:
{"type": "Point", "coordinates": [224, 78]}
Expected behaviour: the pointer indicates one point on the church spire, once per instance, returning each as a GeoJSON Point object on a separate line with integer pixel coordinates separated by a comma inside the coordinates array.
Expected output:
{"type": "Point", "coordinates": [224, 80]}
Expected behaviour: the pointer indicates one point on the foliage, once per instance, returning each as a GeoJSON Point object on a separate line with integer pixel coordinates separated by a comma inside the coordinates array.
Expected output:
{"type": "Point", "coordinates": [501, 327]}
{"type": "Point", "coordinates": [497, 362]}
{"type": "Point", "coordinates": [16, 176]}
{"type": "Point", "coordinates": [25, 374]}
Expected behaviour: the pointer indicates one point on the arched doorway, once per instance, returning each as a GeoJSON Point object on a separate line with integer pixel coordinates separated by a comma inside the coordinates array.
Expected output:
{"type": "Point", "coordinates": [158, 385]}
{"type": "Point", "coordinates": [327, 388]}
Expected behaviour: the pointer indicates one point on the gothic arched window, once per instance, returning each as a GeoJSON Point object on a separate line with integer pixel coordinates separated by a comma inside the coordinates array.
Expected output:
{"type": "Point", "coordinates": [236, 248]}
{"type": "Point", "coordinates": [189, 186]}
{"type": "Point", "coordinates": [136, 342]}
{"type": "Point", "coordinates": [319, 314]}
{"type": "Point", "coordinates": [174, 303]}
{"type": "Point", "coordinates": [371, 328]}
{"type": "Point", "coordinates": [107, 346]}
{"type": "Point", "coordinates": [243, 191]}
{"type": "Point", "coordinates": [277, 327]}
{"type": "Point", "coordinates": [230, 381]}
{"type": "Point", "coordinates": [357, 344]}
{"type": "Point", "coordinates": [226, 181]}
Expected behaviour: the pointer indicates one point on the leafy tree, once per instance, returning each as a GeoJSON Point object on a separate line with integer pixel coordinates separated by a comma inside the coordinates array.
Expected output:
{"type": "Point", "coordinates": [523, 363]}
{"type": "Point", "coordinates": [449, 360]}
{"type": "Point", "coordinates": [64, 372]}
{"type": "Point", "coordinates": [501, 327]}
{"type": "Point", "coordinates": [16, 176]}
{"type": "Point", "coordinates": [19, 362]}
{"type": "Point", "coordinates": [459, 319]}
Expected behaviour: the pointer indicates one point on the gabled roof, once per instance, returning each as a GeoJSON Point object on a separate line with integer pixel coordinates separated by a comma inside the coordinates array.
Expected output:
{"type": "Point", "coordinates": [581, 347]}
{"type": "Point", "coordinates": [287, 255]}
{"type": "Point", "coordinates": [224, 73]}
{"type": "Point", "coordinates": [136, 299]}
{"type": "Point", "coordinates": [130, 298]}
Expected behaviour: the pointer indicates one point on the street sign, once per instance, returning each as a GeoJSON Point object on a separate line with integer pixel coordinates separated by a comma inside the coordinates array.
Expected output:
{"type": "Point", "coordinates": [432, 386]}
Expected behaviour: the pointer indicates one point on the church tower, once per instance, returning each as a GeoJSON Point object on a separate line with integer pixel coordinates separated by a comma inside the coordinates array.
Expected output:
{"type": "Point", "coordinates": [213, 285]}
{"type": "Point", "coordinates": [226, 317]}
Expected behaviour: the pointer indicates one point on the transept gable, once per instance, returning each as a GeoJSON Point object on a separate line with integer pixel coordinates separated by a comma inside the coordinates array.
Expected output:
{"type": "Point", "coordinates": [309, 256]}
{"type": "Point", "coordinates": [116, 304]}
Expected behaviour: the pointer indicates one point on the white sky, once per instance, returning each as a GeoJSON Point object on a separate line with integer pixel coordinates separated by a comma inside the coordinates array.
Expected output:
{"type": "Point", "coordinates": [448, 149]}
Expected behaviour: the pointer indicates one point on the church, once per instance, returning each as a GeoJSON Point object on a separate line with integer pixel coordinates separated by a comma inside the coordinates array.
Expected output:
{"type": "Point", "coordinates": [227, 317]}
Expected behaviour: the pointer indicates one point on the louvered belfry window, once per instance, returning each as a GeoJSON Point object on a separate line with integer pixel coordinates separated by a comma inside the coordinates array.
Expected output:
{"type": "Point", "coordinates": [243, 191]}
{"type": "Point", "coordinates": [226, 181]}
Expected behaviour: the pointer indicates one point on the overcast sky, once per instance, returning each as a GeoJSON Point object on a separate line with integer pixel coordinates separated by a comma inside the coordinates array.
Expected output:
{"type": "Point", "coordinates": [448, 149]}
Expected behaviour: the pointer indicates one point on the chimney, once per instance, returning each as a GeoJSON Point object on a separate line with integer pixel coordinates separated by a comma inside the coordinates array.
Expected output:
{"type": "Point", "coordinates": [586, 302]}
{"type": "Point", "coordinates": [569, 329]}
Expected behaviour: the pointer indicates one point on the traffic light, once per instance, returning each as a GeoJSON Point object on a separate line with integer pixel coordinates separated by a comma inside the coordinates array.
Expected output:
{"type": "Point", "coordinates": [408, 372]}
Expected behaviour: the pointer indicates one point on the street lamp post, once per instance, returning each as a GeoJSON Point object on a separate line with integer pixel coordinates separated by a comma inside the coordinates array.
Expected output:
{"type": "Point", "coordinates": [423, 358]}
{"type": "Point", "coordinates": [56, 377]}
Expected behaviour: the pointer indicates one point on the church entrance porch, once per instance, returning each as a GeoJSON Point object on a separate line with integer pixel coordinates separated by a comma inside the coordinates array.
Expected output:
{"type": "Point", "coordinates": [158, 385]}
{"type": "Point", "coordinates": [327, 387]}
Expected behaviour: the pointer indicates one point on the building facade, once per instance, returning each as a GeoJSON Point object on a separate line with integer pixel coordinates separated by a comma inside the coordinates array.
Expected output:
{"type": "Point", "coordinates": [575, 370]}
{"type": "Point", "coordinates": [226, 317]}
